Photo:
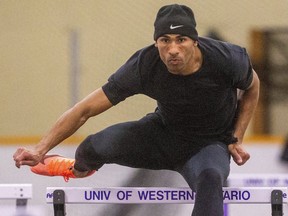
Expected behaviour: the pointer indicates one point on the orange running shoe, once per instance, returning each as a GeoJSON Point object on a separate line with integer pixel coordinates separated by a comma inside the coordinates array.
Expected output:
{"type": "Point", "coordinates": [56, 165]}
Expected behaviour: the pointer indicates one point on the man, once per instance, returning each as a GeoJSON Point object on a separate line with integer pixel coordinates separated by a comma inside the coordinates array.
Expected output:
{"type": "Point", "coordinates": [196, 126]}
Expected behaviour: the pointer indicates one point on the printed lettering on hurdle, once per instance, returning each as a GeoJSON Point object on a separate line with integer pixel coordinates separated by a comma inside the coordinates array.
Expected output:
{"type": "Point", "coordinates": [59, 196]}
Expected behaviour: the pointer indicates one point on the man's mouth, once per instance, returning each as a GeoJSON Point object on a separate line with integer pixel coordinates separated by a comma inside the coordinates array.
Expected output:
{"type": "Point", "coordinates": [174, 61]}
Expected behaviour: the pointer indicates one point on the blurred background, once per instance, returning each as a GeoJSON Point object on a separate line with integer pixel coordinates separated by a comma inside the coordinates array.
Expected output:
{"type": "Point", "coordinates": [54, 53]}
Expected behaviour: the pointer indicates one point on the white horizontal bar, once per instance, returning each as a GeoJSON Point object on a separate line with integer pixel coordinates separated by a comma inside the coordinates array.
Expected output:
{"type": "Point", "coordinates": [258, 180]}
{"type": "Point", "coordinates": [15, 191]}
{"type": "Point", "coordinates": [134, 195]}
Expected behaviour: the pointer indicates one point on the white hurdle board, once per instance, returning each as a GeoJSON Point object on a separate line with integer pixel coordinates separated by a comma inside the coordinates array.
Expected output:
{"type": "Point", "coordinates": [15, 191]}
{"type": "Point", "coordinates": [20, 192]}
{"type": "Point", "coordinates": [147, 195]}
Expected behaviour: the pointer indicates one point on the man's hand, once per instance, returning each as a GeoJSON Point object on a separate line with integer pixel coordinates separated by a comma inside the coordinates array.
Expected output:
{"type": "Point", "coordinates": [240, 156]}
{"type": "Point", "coordinates": [24, 156]}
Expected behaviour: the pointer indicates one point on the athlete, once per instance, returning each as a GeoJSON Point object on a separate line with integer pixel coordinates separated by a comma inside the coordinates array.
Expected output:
{"type": "Point", "coordinates": [198, 124]}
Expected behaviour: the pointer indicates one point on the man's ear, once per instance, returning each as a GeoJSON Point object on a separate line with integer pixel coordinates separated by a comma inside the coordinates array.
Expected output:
{"type": "Point", "coordinates": [155, 44]}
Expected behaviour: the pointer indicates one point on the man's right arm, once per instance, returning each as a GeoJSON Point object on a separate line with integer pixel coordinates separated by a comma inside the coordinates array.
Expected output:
{"type": "Point", "coordinates": [68, 123]}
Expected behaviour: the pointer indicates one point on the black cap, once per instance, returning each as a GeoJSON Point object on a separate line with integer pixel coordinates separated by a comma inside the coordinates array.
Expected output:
{"type": "Point", "coordinates": [175, 19]}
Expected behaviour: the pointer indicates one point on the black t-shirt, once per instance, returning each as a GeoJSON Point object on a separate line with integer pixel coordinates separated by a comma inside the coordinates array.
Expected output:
{"type": "Point", "coordinates": [202, 104]}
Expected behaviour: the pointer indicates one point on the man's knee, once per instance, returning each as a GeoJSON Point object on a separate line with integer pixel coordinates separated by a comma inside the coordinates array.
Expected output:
{"type": "Point", "coordinates": [84, 148]}
{"type": "Point", "coordinates": [86, 156]}
{"type": "Point", "coordinates": [209, 197]}
{"type": "Point", "coordinates": [210, 178]}
{"type": "Point", "coordinates": [91, 147]}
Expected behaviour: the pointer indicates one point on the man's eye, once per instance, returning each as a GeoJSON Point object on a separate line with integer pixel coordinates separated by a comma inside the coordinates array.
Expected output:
{"type": "Point", "coordinates": [164, 40]}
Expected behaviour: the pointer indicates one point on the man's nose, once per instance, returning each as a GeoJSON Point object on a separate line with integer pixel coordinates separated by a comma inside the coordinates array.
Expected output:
{"type": "Point", "coordinates": [173, 49]}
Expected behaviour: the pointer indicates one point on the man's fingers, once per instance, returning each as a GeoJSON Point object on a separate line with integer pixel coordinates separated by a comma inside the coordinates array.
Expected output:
{"type": "Point", "coordinates": [17, 156]}
{"type": "Point", "coordinates": [237, 157]}
{"type": "Point", "coordinates": [28, 162]}
{"type": "Point", "coordinates": [23, 157]}
{"type": "Point", "coordinates": [241, 158]}
{"type": "Point", "coordinates": [246, 157]}
{"type": "Point", "coordinates": [17, 153]}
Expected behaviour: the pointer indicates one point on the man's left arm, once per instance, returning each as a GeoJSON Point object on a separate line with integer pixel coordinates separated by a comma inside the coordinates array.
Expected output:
{"type": "Point", "coordinates": [247, 105]}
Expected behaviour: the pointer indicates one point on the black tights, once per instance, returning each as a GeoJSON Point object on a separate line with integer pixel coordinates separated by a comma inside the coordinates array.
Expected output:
{"type": "Point", "coordinates": [147, 143]}
{"type": "Point", "coordinates": [209, 188]}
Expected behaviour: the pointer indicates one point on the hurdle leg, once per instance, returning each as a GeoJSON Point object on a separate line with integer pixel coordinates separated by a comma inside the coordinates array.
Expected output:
{"type": "Point", "coordinates": [21, 205]}
{"type": "Point", "coordinates": [21, 202]}
{"type": "Point", "coordinates": [277, 202]}
{"type": "Point", "coordinates": [59, 203]}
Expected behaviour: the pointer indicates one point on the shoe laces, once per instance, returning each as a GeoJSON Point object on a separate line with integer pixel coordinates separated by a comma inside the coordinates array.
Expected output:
{"type": "Point", "coordinates": [67, 174]}
{"type": "Point", "coordinates": [62, 167]}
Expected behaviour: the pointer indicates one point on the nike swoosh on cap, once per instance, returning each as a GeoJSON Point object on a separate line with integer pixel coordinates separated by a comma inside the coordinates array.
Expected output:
{"type": "Point", "coordinates": [174, 27]}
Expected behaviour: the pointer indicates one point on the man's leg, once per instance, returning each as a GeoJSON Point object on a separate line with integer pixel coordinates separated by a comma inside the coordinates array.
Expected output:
{"type": "Point", "coordinates": [206, 173]}
{"type": "Point", "coordinates": [134, 144]}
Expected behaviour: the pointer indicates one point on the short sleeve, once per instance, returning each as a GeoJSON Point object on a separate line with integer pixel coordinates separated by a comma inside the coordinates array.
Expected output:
{"type": "Point", "coordinates": [242, 73]}
{"type": "Point", "coordinates": [125, 82]}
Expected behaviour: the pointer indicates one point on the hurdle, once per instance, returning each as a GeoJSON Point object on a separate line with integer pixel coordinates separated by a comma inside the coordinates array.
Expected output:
{"type": "Point", "coordinates": [20, 192]}
{"type": "Point", "coordinates": [60, 196]}
{"type": "Point", "coordinates": [256, 180]}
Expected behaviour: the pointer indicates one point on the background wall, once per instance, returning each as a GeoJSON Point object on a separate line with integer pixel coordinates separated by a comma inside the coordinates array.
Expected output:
{"type": "Point", "coordinates": [41, 42]}
{"type": "Point", "coordinates": [36, 47]}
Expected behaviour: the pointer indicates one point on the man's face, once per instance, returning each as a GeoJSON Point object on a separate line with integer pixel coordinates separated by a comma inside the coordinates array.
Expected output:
{"type": "Point", "coordinates": [177, 52]}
